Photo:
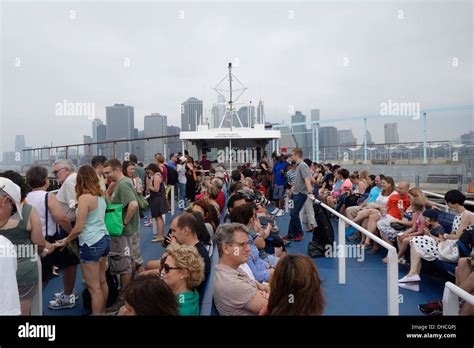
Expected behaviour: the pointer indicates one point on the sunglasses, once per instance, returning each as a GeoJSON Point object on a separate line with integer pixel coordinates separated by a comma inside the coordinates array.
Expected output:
{"type": "Point", "coordinates": [167, 268]}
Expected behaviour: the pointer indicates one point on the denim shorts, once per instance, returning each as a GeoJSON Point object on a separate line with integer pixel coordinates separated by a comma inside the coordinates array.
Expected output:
{"type": "Point", "coordinates": [94, 252]}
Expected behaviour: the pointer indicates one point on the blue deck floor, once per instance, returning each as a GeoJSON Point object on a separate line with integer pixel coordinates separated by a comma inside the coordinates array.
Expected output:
{"type": "Point", "coordinates": [365, 291]}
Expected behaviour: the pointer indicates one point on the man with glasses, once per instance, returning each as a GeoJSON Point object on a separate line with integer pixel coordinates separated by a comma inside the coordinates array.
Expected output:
{"type": "Point", "coordinates": [120, 260]}
{"type": "Point", "coordinates": [67, 258]}
{"type": "Point", "coordinates": [234, 292]}
{"type": "Point", "coordinates": [184, 229]}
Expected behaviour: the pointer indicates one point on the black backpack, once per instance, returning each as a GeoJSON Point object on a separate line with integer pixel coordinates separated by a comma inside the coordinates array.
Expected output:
{"type": "Point", "coordinates": [323, 233]}
{"type": "Point", "coordinates": [172, 175]}
{"type": "Point", "coordinates": [112, 282]}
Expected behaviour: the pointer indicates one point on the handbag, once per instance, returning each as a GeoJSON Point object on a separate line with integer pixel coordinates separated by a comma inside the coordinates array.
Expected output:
{"type": "Point", "coordinates": [398, 226]}
{"type": "Point", "coordinates": [113, 219]}
{"type": "Point", "coordinates": [448, 250]}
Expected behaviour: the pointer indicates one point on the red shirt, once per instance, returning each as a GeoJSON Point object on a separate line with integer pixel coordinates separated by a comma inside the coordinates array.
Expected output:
{"type": "Point", "coordinates": [392, 205]}
{"type": "Point", "coordinates": [220, 200]}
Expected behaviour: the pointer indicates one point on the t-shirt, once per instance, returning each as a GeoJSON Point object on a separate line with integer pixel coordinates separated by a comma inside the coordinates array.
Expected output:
{"type": "Point", "coordinates": [181, 173]}
{"type": "Point", "coordinates": [277, 170]}
{"type": "Point", "coordinates": [67, 196]}
{"type": "Point", "coordinates": [207, 266]}
{"type": "Point", "coordinates": [374, 193]}
{"type": "Point", "coordinates": [124, 193]}
{"type": "Point", "coordinates": [345, 186]}
{"type": "Point", "coordinates": [233, 291]}
{"type": "Point", "coordinates": [188, 303]}
{"type": "Point", "coordinates": [392, 205]}
{"type": "Point", "coordinates": [164, 174]}
{"type": "Point", "coordinates": [221, 200]}
{"type": "Point", "coordinates": [9, 299]}
{"type": "Point", "coordinates": [302, 172]}
{"type": "Point", "coordinates": [171, 164]}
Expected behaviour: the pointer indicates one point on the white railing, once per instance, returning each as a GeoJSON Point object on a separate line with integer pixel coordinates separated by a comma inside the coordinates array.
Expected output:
{"type": "Point", "coordinates": [37, 301]}
{"type": "Point", "coordinates": [392, 264]}
{"type": "Point", "coordinates": [451, 296]}
{"type": "Point", "coordinates": [437, 195]}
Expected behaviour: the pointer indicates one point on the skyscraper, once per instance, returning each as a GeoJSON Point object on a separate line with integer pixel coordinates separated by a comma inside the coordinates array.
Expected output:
{"type": "Point", "coordinates": [95, 124]}
{"type": "Point", "coordinates": [300, 132]}
{"type": "Point", "coordinates": [139, 146]}
{"type": "Point", "coordinates": [102, 136]}
{"type": "Point", "coordinates": [391, 133]}
{"type": "Point", "coordinates": [314, 115]}
{"type": "Point", "coordinates": [328, 140]}
{"type": "Point", "coordinates": [155, 125]}
{"type": "Point", "coordinates": [173, 143]}
{"type": "Point", "coordinates": [246, 115]}
{"type": "Point", "coordinates": [260, 113]}
{"type": "Point", "coordinates": [215, 116]}
{"type": "Point", "coordinates": [221, 106]}
{"type": "Point", "coordinates": [120, 124]}
{"type": "Point", "coordinates": [19, 143]}
{"type": "Point", "coordinates": [191, 114]}
{"type": "Point", "coordinates": [346, 138]}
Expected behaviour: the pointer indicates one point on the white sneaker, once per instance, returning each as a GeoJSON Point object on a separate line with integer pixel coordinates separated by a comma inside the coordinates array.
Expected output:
{"type": "Point", "coordinates": [275, 211]}
{"type": "Point", "coordinates": [59, 294]}
{"type": "Point", "coordinates": [410, 279]}
{"type": "Point", "coordinates": [63, 302]}
{"type": "Point", "coordinates": [410, 286]}
{"type": "Point", "coordinates": [281, 212]}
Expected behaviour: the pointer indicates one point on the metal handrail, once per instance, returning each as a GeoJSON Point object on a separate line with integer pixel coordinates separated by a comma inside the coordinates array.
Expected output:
{"type": "Point", "coordinates": [392, 264]}
{"type": "Point", "coordinates": [451, 296]}
{"type": "Point", "coordinates": [437, 195]}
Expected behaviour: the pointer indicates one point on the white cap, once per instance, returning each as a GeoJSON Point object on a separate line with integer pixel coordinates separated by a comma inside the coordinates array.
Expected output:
{"type": "Point", "coordinates": [183, 158]}
{"type": "Point", "coordinates": [13, 191]}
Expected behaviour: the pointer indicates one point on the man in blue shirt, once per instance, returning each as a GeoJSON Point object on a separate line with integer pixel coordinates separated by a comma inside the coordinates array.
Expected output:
{"type": "Point", "coordinates": [172, 161]}
{"type": "Point", "coordinates": [278, 178]}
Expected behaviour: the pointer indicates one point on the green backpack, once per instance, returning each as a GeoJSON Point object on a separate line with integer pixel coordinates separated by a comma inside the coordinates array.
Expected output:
{"type": "Point", "coordinates": [113, 219]}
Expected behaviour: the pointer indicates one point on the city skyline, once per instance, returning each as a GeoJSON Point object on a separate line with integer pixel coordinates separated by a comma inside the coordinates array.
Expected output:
{"type": "Point", "coordinates": [299, 56]}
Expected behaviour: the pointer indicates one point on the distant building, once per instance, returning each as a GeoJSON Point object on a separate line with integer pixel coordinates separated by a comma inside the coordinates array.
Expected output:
{"type": "Point", "coordinates": [346, 138]}
{"type": "Point", "coordinates": [300, 133]}
{"type": "Point", "coordinates": [19, 143]}
{"type": "Point", "coordinates": [328, 140]}
{"type": "Point", "coordinates": [369, 139]}
{"type": "Point", "coordinates": [95, 125]}
{"type": "Point", "coordinates": [155, 125]}
{"type": "Point", "coordinates": [120, 125]}
{"type": "Point", "coordinates": [191, 114]}
{"type": "Point", "coordinates": [139, 145]}
{"type": "Point", "coordinates": [246, 115]}
{"type": "Point", "coordinates": [215, 117]}
{"type": "Point", "coordinates": [9, 157]}
{"type": "Point", "coordinates": [391, 133]}
{"type": "Point", "coordinates": [260, 113]}
{"type": "Point", "coordinates": [174, 145]}
{"type": "Point", "coordinates": [27, 156]}
{"type": "Point", "coordinates": [102, 149]}
{"type": "Point", "coordinates": [314, 115]}
{"type": "Point", "coordinates": [221, 106]}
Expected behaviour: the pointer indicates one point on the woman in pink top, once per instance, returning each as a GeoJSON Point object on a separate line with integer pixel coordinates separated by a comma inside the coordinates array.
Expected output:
{"type": "Point", "coordinates": [345, 187]}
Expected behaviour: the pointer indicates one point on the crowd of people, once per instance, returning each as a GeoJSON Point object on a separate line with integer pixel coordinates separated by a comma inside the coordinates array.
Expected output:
{"type": "Point", "coordinates": [226, 212]}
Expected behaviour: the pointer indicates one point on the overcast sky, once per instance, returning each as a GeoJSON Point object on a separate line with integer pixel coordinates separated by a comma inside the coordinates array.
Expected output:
{"type": "Point", "coordinates": [345, 58]}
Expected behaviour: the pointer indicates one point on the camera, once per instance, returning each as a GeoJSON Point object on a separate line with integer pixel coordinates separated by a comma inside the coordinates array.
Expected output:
{"type": "Point", "coordinates": [255, 197]}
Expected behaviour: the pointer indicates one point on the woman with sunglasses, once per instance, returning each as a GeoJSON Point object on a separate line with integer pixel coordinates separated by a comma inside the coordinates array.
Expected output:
{"type": "Point", "coordinates": [183, 270]}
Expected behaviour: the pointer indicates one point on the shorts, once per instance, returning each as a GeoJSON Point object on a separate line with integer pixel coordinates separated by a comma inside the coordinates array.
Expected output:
{"type": "Point", "coordinates": [120, 256]}
{"type": "Point", "coordinates": [27, 291]}
{"type": "Point", "coordinates": [278, 192]}
{"type": "Point", "coordinates": [94, 252]}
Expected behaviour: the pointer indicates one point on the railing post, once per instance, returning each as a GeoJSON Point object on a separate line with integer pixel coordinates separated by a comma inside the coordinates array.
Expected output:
{"type": "Point", "coordinates": [341, 251]}
{"type": "Point", "coordinates": [460, 182]}
{"type": "Point", "coordinates": [37, 301]}
{"type": "Point", "coordinates": [450, 302]}
{"type": "Point", "coordinates": [417, 181]}
{"type": "Point", "coordinates": [172, 200]}
{"type": "Point", "coordinates": [286, 203]}
{"type": "Point", "coordinates": [392, 282]}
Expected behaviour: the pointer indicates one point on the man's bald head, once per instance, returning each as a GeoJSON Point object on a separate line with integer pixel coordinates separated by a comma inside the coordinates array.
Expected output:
{"type": "Point", "coordinates": [403, 187]}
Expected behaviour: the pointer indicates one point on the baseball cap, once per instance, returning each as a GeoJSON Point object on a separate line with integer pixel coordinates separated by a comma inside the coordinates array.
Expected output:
{"type": "Point", "coordinates": [173, 155]}
{"type": "Point", "coordinates": [13, 191]}
{"type": "Point", "coordinates": [431, 214]}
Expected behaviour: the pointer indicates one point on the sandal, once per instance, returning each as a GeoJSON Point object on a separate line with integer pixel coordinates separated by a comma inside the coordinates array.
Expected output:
{"type": "Point", "coordinates": [157, 240]}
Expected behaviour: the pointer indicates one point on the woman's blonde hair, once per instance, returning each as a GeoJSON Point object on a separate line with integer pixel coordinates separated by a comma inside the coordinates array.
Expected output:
{"type": "Point", "coordinates": [417, 195]}
{"type": "Point", "coordinates": [187, 257]}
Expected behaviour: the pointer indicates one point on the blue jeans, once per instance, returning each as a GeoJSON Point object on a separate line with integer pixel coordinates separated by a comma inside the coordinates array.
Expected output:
{"type": "Point", "coordinates": [182, 196]}
{"type": "Point", "coordinates": [294, 228]}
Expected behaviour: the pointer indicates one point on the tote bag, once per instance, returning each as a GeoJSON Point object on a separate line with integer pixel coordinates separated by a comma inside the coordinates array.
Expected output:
{"type": "Point", "coordinates": [113, 219]}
